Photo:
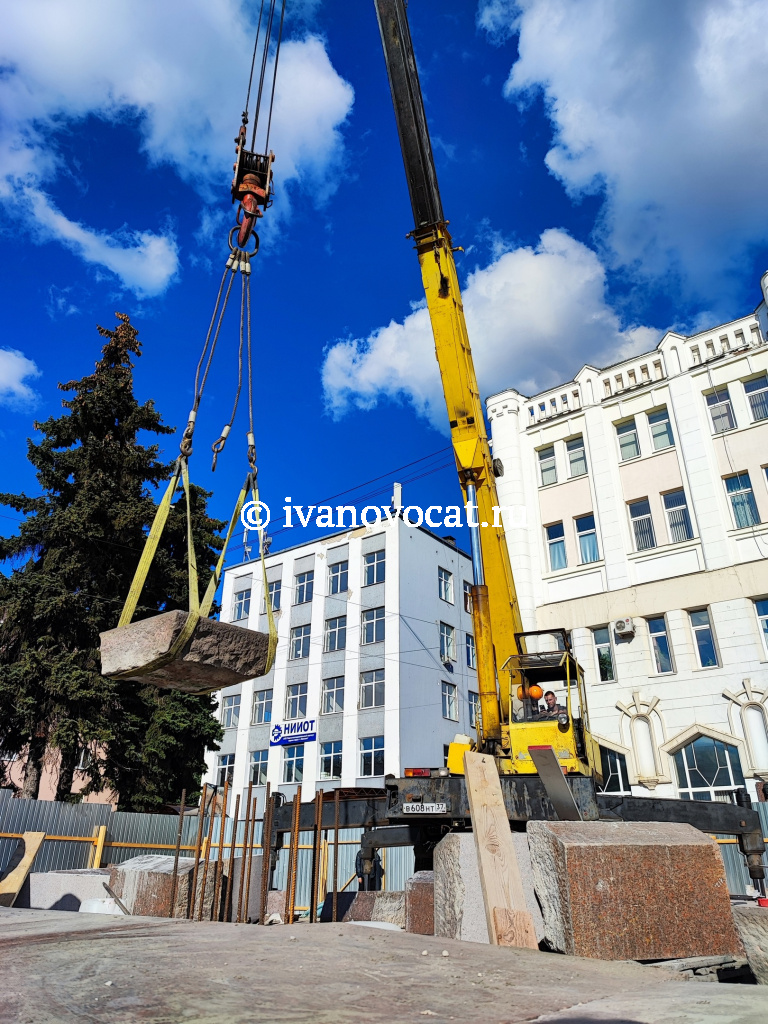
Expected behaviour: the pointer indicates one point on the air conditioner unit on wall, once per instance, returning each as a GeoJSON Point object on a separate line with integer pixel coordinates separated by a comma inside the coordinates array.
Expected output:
{"type": "Point", "coordinates": [624, 627]}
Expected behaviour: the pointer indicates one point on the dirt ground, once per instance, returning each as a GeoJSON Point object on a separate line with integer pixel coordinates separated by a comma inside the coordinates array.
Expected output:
{"type": "Point", "coordinates": [69, 967]}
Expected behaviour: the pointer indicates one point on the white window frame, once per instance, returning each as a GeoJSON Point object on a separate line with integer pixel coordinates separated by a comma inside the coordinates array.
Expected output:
{"type": "Point", "coordinates": [241, 605]}
{"type": "Point", "coordinates": [665, 633]}
{"type": "Point", "coordinates": [701, 628]}
{"type": "Point", "coordinates": [259, 767]}
{"type": "Point", "coordinates": [374, 563]}
{"type": "Point", "coordinates": [444, 585]}
{"type": "Point", "coordinates": [584, 533]}
{"type": "Point", "coordinates": [230, 711]}
{"type": "Point", "coordinates": [295, 701]}
{"type": "Point", "coordinates": [624, 788]}
{"type": "Point", "coordinates": [473, 700]}
{"type": "Point", "coordinates": [261, 713]}
{"type": "Point", "coordinates": [687, 792]}
{"type": "Point", "coordinates": [372, 629]}
{"type": "Point", "coordinates": [677, 516]}
{"type": "Point", "coordinates": [758, 408]}
{"type": "Point", "coordinates": [602, 644]}
{"type": "Point", "coordinates": [447, 642]}
{"type": "Point", "coordinates": [762, 620]}
{"type": "Point", "coordinates": [371, 750]}
{"type": "Point", "coordinates": [470, 650]}
{"type": "Point", "coordinates": [635, 520]}
{"type": "Point", "coordinates": [556, 542]}
{"type": "Point", "coordinates": [332, 699]}
{"type": "Point", "coordinates": [330, 751]}
{"type": "Point", "coordinates": [300, 641]}
{"type": "Point", "coordinates": [305, 586]}
{"type": "Point", "coordinates": [573, 448]}
{"type": "Point", "coordinates": [225, 769]}
{"type": "Point", "coordinates": [667, 435]}
{"type": "Point", "coordinates": [335, 634]}
{"type": "Point", "coordinates": [293, 763]}
{"type": "Point", "coordinates": [547, 465]}
{"type": "Point", "coordinates": [275, 589]}
{"type": "Point", "coordinates": [750, 503]}
{"type": "Point", "coordinates": [625, 429]}
{"type": "Point", "coordinates": [338, 577]}
{"type": "Point", "coordinates": [372, 689]}
{"type": "Point", "coordinates": [724, 405]}
{"type": "Point", "coordinates": [449, 696]}
{"type": "Point", "coordinates": [467, 589]}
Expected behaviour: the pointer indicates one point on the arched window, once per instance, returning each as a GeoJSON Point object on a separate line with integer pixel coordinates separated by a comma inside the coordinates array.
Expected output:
{"type": "Point", "coordinates": [753, 717]}
{"type": "Point", "coordinates": [708, 769]}
{"type": "Point", "coordinates": [615, 776]}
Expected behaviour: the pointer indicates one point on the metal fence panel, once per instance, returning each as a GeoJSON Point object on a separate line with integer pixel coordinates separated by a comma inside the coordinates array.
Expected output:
{"type": "Point", "coordinates": [57, 819]}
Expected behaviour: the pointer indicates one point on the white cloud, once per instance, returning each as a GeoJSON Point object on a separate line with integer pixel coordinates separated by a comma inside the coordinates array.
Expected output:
{"type": "Point", "coordinates": [179, 68]}
{"type": "Point", "coordinates": [534, 317]}
{"type": "Point", "coordinates": [660, 106]}
{"type": "Point", "coordinates": [15, 370]}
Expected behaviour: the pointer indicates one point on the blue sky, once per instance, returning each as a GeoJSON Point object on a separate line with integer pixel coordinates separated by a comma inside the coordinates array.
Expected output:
{"type": "Point", "coordinates": [602, 164]}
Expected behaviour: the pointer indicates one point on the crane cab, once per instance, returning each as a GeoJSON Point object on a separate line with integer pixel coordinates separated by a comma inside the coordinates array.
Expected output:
{"type": "Point", "coordinates": [548, 706]}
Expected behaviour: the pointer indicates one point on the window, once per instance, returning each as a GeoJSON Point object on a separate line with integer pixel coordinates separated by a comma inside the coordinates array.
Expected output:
{"type": "Point", "coordinates": [293, 763]}
{"type": "Point", "coordinates": [604, 651]}
{"type": "Point", "coordinates": [338, 578]}
{"type": "Point", "coordinates": [373, 568]}
{"type": "Point", "coordinates": [230, 711]}
{"type": "Point", "coordinates": [661, 429]}
{"type": "Point", "coordinates": [259, 767]}
{"type": "Point", "coordinates": [242, 605]}
{"type": "Point", "coordinates": [556, 543]}
{"type": "Point", "coordinates": [642, 524]}
{"type": "Point", "coordinates": [761, 608]}
{"type": "Point", "coordinates": [330, 760]}
{"type": "Point", "coordinates": [332, 701]}
{"type": "Point", "coordinates": [446, 752]}
{"type": "Point", "coordinates": [585, 530]}
{"type": "Point", "coordinates": [275, 590]}
{"type": "Point", "coordinates": [470, 651]}
{"type": "Point", "coordinates": [372, 756]}
{"type": "Point", "coordinates": [373, 626]}
{"type": "Point", "coordinates": [450, 702]}
{"type": "Point", "coordinates": [757, 392]}
{"type": "Point", "coordinates": [577, 457]}
{"type": "Point", "coordinates": [660, 644]}
{"type": "Point", "coordinates": [467, 597]}
{"type": "Point", "coordinates": [705, 640]}
{"type": "Point", "coordinates": [372, 688]}
{"type": "Point", "coordinates": [262, 707]}
{"type": "Point", "coordinates": [299, 642]}
{"type": "Point", "coordinates": [336, 633]}
{"type": "Point", "coordinates": [82, 762]}
{"type": "Point", "coordinates": [305, 584]}
{"type": "Point", "coordinates": [629, 446]}
{"type": "Point", "coordinates": [474, 709]}
{"type": "Point", "coordinates": [547, 466]}
{"type": "Point", "coordinates": [677, 515]}
{"type": "Point", "coordinates": [226, 769]}
{"type": "Point", "coordinates": [615, 776]}
{"type": "Point", "coordinates": [721, 410]}
{"type": "Point", "coordinates": [445, 585]}
{"type": "Point", "coordinates": [708, 770]}
{"type": "Point", "coordinates": [296, 701]}
{"type": "Point", "coordinates": [447, 642]}
{"type": "Point", "coordinates": [739, 489]}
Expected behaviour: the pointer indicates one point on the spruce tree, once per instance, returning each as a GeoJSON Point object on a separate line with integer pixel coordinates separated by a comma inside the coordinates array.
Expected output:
{"type": "Point", "coordinates": [74, 557]}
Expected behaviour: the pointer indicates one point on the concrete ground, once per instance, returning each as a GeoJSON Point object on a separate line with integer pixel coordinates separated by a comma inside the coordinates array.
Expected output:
{"type": "Point", "coordinates": [67, 967]}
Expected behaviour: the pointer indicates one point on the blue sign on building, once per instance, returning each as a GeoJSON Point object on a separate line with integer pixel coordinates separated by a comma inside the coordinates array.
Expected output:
{"type": "Point", "coordinates": [286, 734]}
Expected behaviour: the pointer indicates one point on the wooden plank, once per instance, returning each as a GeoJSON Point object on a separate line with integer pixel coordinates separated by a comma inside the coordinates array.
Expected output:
{"type": "Point", "coordinates": [19, 867]}
{"type": "Point", "coordinates": [514, 928]}
{"type": "Point", "coordinates": [499, 871]}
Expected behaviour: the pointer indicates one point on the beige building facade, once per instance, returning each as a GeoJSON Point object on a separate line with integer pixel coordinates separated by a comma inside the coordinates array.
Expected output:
{"type": "Point", "coordinates": [643, 487]}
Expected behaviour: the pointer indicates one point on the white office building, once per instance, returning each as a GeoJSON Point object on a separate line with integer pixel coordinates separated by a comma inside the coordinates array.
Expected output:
{"type": "Point", "coordinates": [375, 661]}
{"type": "Point", "coordinates": [645, 488]}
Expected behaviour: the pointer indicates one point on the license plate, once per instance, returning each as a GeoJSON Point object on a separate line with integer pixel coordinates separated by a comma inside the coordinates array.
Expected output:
{"type": "Point", "coordinates": [414, 808]}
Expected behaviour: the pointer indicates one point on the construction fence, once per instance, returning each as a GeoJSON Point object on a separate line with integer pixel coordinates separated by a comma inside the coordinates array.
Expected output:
{"type": "Point", "coordinates": [94, 835]}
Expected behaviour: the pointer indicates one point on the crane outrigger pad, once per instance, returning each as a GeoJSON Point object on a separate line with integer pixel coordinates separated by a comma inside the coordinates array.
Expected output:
{"type": "Point", "coordinates": [218, 654]}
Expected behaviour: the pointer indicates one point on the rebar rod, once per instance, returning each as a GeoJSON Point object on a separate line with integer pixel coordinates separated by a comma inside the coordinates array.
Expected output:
{"type": "Point", "coordinates": [200, 819]}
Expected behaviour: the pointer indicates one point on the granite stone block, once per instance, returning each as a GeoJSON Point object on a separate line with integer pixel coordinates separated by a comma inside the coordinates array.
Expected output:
{"type": "Point", "coordinates": [144, 885]}
{"type": "Point", "coordinates": [752, 925]}
{"type": "Point", "coordinates": [62, 890]}
{"type": "Point", "coordinates": [420, 903]}
{"type": "Point", "coordinates": [217, 655]}
{"type": "Point", "coordinates": [631, 890]}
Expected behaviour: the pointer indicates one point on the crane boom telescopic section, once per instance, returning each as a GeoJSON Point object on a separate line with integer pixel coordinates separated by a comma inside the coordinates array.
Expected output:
{"type": "Point", "coordinates": [498, 618]}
